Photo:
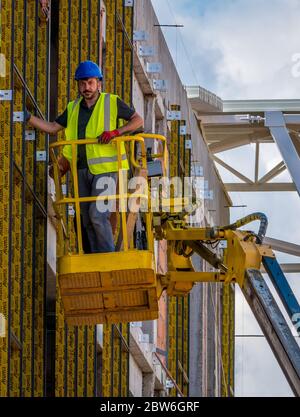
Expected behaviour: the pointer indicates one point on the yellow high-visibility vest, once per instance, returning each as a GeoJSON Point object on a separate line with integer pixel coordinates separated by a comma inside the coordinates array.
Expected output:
{"type": "Point", "coordinates": [100, 158]}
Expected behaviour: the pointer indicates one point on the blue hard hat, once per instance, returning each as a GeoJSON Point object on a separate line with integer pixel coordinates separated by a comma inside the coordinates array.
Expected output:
{"type": "Point", "coordinates": [88, 69]}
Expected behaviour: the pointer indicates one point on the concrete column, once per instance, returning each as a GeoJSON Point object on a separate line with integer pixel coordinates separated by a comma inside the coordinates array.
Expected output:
{"type": "Point", "coordinates": [196, 336]}
{"type": "Point", "coordinates": [148, 328]}
{"type": "Point", "coordinates": [148, 384]}
{"type": "Point", "coordinates": [149, 118]}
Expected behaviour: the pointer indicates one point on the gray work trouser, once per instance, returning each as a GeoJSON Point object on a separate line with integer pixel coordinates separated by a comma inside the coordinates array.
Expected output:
{"type": "Point", "coordinates": [96, 223]}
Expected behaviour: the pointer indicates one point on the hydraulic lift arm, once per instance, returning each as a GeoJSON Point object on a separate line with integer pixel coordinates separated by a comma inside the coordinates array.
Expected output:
{"type": "Point", "coordinates": [245, 254]}
{"type": "Point", "coordinates": [124, 286]}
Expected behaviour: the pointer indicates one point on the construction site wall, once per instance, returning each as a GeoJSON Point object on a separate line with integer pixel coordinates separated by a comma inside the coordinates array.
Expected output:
{"type": "Point", "coordinates": [157, 91]}
{"type": "Point", "coordinates": [39, 354]}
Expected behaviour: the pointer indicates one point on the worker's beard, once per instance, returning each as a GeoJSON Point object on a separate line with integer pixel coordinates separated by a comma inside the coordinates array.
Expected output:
{"type": "Point", "coordinates": [89, 95]}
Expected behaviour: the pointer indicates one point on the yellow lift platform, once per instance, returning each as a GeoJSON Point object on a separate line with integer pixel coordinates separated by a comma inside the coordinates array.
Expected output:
{"type": "Point", "coordinates": [124, 286]}
{"type": "Point", "coordinates": [108, 287]}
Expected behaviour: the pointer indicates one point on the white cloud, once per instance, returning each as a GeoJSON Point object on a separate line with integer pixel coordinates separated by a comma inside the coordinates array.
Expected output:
{"type": "Point", "coordinates": [240, 49]}
{"type": "Point", "coordinates": [260, 377]}
{"type": "Point", "coordinates": [243, 49]}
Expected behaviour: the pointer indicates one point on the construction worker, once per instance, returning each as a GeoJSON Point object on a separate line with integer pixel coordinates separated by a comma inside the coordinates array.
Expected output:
{"type": "Point", "coordinates": [93, 115]}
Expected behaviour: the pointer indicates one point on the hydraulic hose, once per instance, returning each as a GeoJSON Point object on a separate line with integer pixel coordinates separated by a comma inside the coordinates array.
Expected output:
{"type": "Point", "coordinates": [248, 219]}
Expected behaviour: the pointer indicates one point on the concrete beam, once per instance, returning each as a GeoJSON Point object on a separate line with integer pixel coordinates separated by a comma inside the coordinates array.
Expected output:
{"type": "Point", "coordinates": [141, 74]}
{"type": "Point", "coordinates": [140, 351]}
{"type": "Point", "coordinates": [159, 108]}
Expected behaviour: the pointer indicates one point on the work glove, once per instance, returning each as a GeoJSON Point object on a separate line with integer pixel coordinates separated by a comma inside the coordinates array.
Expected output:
{"type": "Point", "coordinates": [107, 136]}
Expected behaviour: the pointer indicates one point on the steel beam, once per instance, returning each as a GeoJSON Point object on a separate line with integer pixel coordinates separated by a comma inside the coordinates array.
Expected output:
{"type": "Point", "coordinates": [292, 268]}
{"type": "Point", "coordinates": [227, 144]}
{"type": "Point", "coordinates": [277, 125]}
{"type": "Point", "coordinates": [264, 187]}
{"type": "Point", "coordinates": [292, 119]}
{"type": "Point", "coordinates": [273, 173]}
{"type": "Point", "coordinates": [282, 246]}
{"type": "Point", "coordinates": [232, 170]}
{"type": "Point", "coordinates": [223, 119]}
{"type": "Point", "coordinates": [256, 168]}
{"type": "Point", "coordinates": [235, 119]}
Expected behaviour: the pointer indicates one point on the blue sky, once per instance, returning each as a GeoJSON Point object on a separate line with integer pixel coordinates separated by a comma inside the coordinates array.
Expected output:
{"type": "Point", "coordinates": [241, 49]}
{"type": "Point", "coordinates": [237, 48]}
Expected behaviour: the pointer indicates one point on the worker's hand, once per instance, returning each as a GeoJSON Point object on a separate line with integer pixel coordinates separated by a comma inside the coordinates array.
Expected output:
{"type": "Point", "coordinates": [51, 171]}
{"type": "Point", "coordinates": [63, 165]}
{"type": "Point", "coordinates": [45, 7]}
{"type": "Point", "coordinates": [107, 136]}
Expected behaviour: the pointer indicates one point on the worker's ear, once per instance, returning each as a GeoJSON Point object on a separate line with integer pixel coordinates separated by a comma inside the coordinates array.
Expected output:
{"type": "Point", "coordinates": [99, 86]}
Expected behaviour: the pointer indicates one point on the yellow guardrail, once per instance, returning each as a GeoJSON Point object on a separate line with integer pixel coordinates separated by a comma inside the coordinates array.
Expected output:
{"type": "Point", "coordinates": [122, 196]}
{"type": "Point", "coordinates": [164, 154]}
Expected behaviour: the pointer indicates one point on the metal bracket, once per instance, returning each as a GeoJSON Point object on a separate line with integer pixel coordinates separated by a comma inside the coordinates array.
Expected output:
{"type": "Point", "coordinates": [188, 144]}
{"type": "Point", "coordinates": [182, 130]}
{"type": "Point", "coordinates": [154, 67]}
{"type": "Point", "coordinates": [140, 35]}
{"type": "Point", "coordinates": [153, 350]}
{"type": "Point", "coordinates": [266, 250]}
{"type": "Point", "coordinates": [128, 3]}
{"type": "Point", "coordinates": [160, 85]}
{"type": "Point", "coordinates": [208, 194]}
{"type": "Point", "coordinates": [251, 118]}
{"type": "Point", "coordinates": [197, 170]}
{"type": "Point", "coordinates": [29, 135]}
{"type": "Point", "coordinates": [169, 384]}
{"type": "Point", "coordinates": [18, 116]}
{"type": "Point", "coordinates": [5, 95]}
{"type": "Point", "coordinates": [136, 324]}
{"type": "Point", "coordinates": [173, 115]}
{"type": "Point", "coordinates": [274, 119]}
{"type": "Point", "coordinates": [143, 338]}
{"type": "Point", "coordinates": [146, 51]}
{"type": "Point", "coordinates": [155, 361]}
{"type": "Point", "coordinates": [41, 156]}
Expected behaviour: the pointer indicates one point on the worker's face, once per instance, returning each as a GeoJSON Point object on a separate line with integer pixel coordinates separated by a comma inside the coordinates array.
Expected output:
{"type": "Point", "coordinates": [89, 87]}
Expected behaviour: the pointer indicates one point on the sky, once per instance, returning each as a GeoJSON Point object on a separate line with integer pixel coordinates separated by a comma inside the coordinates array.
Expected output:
{"type": "Point", "coordinates": [241, 49]}
{"type": "Point", "coordinates": [238, 49]}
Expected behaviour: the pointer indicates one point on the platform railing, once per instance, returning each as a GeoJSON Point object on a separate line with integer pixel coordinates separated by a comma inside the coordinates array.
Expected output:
{"type": "Point", "coordinates": [122, 196]}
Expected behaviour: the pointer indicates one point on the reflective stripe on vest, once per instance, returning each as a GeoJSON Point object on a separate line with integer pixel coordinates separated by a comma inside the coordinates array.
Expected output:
{"type": "Point", "coordinates": [101, 158]}
{"type": "Point", "coordinates": [105, 159]}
